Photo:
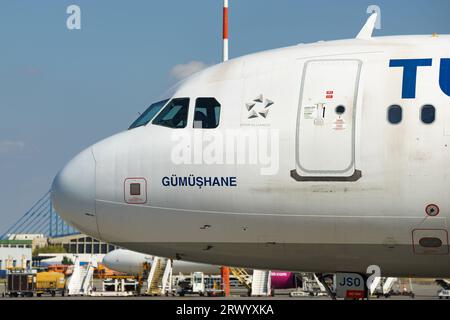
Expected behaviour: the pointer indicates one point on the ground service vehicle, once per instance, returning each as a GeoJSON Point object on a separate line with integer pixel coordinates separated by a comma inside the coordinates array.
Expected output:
{"type": "Point", "coordinates": [50, 283]}
{"type": "Point", "coordinates": [20, 284]}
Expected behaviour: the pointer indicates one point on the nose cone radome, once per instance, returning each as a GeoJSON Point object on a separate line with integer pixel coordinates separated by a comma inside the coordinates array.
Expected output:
{"type": "Point", "coordinates": [73, 193]}
{"type": "Point", "coordinates": [126, 261]}
{"type": "Point", "coordinates": [110, 260]}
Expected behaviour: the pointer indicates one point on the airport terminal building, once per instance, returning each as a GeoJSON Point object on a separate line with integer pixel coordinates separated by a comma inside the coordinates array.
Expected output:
{"type": "Point", "coordinates": [79, 245]}
{"type": "Point", "coordinates": [15, 254]}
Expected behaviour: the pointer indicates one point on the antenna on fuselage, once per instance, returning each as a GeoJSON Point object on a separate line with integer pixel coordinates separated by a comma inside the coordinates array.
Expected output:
{"type": "Point", "coordinates": [225, 30]}
{"type": "Point", "coordinates": [367, 31]}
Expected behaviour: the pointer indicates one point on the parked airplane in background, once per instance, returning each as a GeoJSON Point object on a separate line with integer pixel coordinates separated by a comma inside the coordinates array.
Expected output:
{"type": "Point", "coordinates": [323, 157]}
{"type": "Point", "coordinates": [132, 263]}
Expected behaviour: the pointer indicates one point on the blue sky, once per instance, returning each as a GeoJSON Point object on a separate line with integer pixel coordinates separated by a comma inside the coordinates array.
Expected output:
{"type": "Point", "coordinates": [62, 90]}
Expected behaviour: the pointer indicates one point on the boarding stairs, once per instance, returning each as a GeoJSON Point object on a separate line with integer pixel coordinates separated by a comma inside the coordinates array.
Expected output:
{"type": "Point", "coordinates": [319, 283]}
{"type": "Point", "coordinates": [312, 286]}
{"type": "Point", "coordinates": [373, 287]}
{"type": "Point", "coordinates": [80, 282]}
{"type": "Point", "coordinates": [242, 276]}
{"type": "Point", "coordinates": [159, 280]}
{"type": "Point", "coordinates": [382, 285]}
{"type": "Point", "coordinates": [388, 284]}
{"type": "Point", "coordinates": [445, 284]}
{"type": "Point", "coordinates": [261, 283]}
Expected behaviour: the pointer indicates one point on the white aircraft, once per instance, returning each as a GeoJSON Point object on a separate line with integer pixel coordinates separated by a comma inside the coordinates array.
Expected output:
{"type": "Point", "coordinates": [130, 262]}
{"type": "Point", "coordinates": [324, 157]}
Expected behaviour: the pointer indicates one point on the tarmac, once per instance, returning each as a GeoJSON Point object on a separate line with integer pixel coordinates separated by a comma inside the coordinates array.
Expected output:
{"type": "Point", "coordinates": [423, 290]}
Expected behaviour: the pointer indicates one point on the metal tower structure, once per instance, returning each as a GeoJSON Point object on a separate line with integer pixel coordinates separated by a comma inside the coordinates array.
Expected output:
{"type": "Point", "coordinates": [41, 218]}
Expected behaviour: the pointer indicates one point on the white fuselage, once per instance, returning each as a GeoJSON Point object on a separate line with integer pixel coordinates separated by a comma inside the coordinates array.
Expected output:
{"type": "Point", "coordinates": [337, 193]}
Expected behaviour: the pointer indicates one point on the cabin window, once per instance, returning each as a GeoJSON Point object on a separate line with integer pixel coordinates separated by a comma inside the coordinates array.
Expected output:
{"type": "Point", "coordinates": [428, 114]}
{"type": "Point", "coordinates": [135, 189]}
{"type": "Point", "coordinates": [340, 110]}
{"type": "Point", "coordinates": [174, 115]}
{"type": "Point", "coordinates": [148, 115]}
{"type": "Point", "coordinates": [207, 113]}
{"type": "Point", "coordinates": [395, 114]}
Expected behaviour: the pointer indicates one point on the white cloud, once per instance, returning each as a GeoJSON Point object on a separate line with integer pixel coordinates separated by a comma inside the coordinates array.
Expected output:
{"type": "Point", "coordinates": [11, 146]}
{"type": "Point", "coordinates": [183, 71]}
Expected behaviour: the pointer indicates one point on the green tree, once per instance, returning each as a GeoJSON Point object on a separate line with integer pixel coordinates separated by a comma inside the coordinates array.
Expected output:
{"type": "Point", "coordinates": [67, 261]}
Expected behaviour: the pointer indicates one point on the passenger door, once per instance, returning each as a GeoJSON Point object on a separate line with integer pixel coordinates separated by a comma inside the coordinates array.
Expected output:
{"type": "Point", "coordinates": [325, 143]}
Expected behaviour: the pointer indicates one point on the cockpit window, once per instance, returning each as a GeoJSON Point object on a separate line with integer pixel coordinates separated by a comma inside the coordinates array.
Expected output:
{"type": "Point", "coordinates": [207, 113]}
{"type": "Point", "coordinates": [174, 115]}
{"type": "Point", "coordinates": [148, 115]}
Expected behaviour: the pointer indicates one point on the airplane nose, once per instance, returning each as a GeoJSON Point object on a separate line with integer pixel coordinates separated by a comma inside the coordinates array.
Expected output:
{"type": "Point", "coordinates": [109, 261]}
{"type": "Point", "coordinates": [73, 193]}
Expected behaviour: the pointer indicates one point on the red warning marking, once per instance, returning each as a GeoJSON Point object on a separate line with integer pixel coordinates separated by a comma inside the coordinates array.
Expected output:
{"type": "Point", "coordinates": [432, 210]}
{"type": "Point", "coordinates": [355, 294]}
{"type": "Point", "coordinates": [225, 23]}
{"type": "Point", "coordinates": [339, 124]}
{"type": "Point", "coordinates": [329, 94]}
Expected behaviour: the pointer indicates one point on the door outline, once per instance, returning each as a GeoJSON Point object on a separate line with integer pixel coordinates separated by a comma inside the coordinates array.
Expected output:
{"type": "Point", "coordinates": [357, 174]}
{"type": "Point", "coordinates": [142, 182]}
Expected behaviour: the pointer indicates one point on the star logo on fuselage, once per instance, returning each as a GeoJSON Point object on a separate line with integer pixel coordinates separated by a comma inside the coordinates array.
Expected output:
{"type": "Point", "coordinates": [259, 107]}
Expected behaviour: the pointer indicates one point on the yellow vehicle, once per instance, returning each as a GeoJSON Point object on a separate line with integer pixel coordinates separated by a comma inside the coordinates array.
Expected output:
{"type": "Point", "coordinates": [50, 283]}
